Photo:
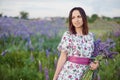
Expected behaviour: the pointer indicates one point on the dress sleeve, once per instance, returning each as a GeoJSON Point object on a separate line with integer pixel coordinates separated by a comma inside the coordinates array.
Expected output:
{"type": "Point", "coordinates": [63, 45]}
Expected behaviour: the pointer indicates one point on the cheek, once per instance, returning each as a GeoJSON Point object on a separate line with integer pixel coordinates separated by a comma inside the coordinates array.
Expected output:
{"type": "Point", "coordinates": [73, 21]}
{"type": "Point", "coordinates": [81, 20]}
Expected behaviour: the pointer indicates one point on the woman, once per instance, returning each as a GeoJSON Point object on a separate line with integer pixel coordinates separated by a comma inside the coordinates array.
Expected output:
{"type": "Point", "coordinates": [76, 47]}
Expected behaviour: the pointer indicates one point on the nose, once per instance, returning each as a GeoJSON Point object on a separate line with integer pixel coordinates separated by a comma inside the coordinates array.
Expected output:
{"type": "Point", "coordinates": [76, 19]}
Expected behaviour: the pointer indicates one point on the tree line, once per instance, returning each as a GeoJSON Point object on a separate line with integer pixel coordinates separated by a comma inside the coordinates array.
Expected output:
{"type": "Point", "coordinates": [91, 19]}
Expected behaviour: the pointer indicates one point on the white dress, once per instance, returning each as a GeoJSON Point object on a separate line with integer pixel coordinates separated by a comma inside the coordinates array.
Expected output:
{"type": "Point", "coordinates": [79, 46]}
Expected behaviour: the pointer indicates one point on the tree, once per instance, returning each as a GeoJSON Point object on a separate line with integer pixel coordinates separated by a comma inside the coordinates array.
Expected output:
{"type": "Point", "coordinates": [92, 18]}
{"type": "Point", "coordinates": [106, 18]}
{"type": "Point", "coordinates": [24, 15]}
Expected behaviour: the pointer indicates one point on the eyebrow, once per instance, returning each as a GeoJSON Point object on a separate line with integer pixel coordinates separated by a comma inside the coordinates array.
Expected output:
{"type": "Point", "coordinates": [77, 16]}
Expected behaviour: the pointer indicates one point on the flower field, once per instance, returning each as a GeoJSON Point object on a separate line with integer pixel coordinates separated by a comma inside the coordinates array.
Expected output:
{"type": "Point", "coordinates": [28, 48]}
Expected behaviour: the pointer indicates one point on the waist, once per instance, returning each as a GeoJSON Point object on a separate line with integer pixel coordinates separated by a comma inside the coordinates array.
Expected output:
{"type": "Point", "coordinates": [78, 60]}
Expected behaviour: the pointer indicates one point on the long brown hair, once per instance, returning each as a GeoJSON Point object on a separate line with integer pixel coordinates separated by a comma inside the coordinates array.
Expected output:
{"type": "Point", "coordinates": [84, 18]}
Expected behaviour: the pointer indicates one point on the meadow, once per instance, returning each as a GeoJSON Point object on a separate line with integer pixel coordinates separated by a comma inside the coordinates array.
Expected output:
{"type": "Point", "coordinates": [28, 48]}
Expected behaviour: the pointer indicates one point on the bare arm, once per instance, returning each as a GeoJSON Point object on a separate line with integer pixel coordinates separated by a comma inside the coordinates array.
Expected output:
{"type": "Point", "coordinates": [61, 61]}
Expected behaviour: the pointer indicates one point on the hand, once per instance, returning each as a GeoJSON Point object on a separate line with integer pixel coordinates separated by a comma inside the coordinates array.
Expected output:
{"type": "Point", "coordinates": [94, 65]}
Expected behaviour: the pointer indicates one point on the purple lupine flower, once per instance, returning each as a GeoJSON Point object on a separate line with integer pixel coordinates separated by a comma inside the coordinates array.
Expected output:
{"type": "Point", "coordinates": [4, 35]}
{"type": "Point", "coordinates": [96, 48]}
{"type": "Point", "coordinates": [4, 52]}
{"type": "Point", "coordinates": [40, 66]}
{"type": "Point", "coordinates": [104, 48]}
{"type": "Point", "coordinates": [116, 33]}
{"type": "Point", "coordinates": [29, 44]}
{"type": "Point", "coordinates": [47, 52]}
{"type": "Point", "coordinates": [112, 54]}
{"type": "Point", "coordinates": [55, 62]}
{"type": "Point", "coordinates": [111, 43]}
{"type": "Point", "coordinates": [46, 73]}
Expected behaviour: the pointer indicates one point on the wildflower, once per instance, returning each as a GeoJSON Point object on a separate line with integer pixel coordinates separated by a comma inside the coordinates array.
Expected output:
{"type": "Point", "coordinates": [29, 44]}
{"type": "Point", "coordinates": [102, 50]}
{"type": "Point", "coordinates": [47, 52]}
{"type": "Point", "coordinates": [116, 33]}
{"type": "Point", "coordinates": [4, 52]}
{"type": "Point", "coordinates": [46, 73]}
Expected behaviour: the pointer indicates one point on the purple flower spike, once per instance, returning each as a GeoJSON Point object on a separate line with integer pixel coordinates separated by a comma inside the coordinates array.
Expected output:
{"type": "Point", "coordinates": [96, 48]}
{"type": "Point", "coordinates": [4, 52]}
{"type": "Point", "coordinates": [116, 33]}
{"type": "Point", "coordinates": [29, 44]}
{"type": "Point", "coordinates": [109, 40]}
{"type": "Point", "coordinates": [104, 48]}
{"type": "Point", "coordinates": [112, 54]}
{"type": "Point", "coordinates": [46, 74]}
{"type": "Point", "coordinates": [47, 52]}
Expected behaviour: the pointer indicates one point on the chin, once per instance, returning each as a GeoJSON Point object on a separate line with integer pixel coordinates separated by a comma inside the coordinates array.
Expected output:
{"type": "Point", "coordinates": [78, 27]}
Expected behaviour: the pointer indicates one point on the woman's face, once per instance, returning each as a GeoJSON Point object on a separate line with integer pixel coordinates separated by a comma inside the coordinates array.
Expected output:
{"type": "Point", "coordinates": [77, 19]}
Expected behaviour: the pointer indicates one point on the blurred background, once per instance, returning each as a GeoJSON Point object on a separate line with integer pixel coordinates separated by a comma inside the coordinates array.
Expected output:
{"type": "Point", "coordinates": [30, 31]}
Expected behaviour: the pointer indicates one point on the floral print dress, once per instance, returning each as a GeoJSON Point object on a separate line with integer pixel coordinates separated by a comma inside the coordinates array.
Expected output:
{"type": "Point", "coordinates": [75, 45]}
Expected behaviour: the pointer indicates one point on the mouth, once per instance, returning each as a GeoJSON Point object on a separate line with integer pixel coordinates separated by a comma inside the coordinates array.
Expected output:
{"type": "Point", "coordinates": [77, 23]}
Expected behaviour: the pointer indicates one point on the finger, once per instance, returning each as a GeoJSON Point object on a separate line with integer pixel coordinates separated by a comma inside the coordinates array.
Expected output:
{"type": "Point", "coordinates": [91, 63]}
{"type": "Point", "coordinates": [96, 62]}
{"type": "Point", "coordinates": [91, 68]}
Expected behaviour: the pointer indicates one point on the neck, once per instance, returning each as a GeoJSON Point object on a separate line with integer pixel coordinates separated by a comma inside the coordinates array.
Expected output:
{"type": "Point", "coordinates": [79, 31]}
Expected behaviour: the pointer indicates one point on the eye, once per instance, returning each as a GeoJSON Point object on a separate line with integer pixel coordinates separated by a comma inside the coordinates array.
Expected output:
{"type": "Point", "coordinates": [79, 16]}
{"type": "Point", "coordinates": [73, 17]}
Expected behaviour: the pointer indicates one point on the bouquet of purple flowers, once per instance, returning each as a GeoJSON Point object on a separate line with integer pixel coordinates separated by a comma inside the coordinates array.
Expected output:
{"type": "Point", "coordinates": [102, 50]}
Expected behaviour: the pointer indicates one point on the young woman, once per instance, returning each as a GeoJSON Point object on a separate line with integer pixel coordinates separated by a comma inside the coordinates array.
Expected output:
{"type": "Point", "coordinates": [76, 47]}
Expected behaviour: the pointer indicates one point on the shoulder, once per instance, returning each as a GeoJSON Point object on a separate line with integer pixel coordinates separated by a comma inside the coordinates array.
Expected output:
{"type": "Point", "coordinates": [67, 33]}
{"type": "Point", "coordinates": [91, 34]}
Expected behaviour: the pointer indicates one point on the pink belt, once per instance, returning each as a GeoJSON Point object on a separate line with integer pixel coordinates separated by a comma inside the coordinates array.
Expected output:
{"type": "Point", "coordinates": [78, 60]}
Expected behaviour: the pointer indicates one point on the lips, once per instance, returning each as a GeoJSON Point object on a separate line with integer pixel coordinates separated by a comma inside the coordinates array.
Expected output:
{"type": "Point", "coordinates": [77, 24]}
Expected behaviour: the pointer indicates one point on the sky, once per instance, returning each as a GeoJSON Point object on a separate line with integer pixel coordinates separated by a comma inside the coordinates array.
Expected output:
{"type": "Point", "coordinates": [59, 8]}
